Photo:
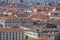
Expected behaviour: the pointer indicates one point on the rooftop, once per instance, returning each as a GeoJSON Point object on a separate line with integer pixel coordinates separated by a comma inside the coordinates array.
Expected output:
{"type": "Point", "coordinates": [41, 38]}
{"type": "Point", "coordinates": [10, 30]}
{"type": "Point", "coordinates": [31, 26]}
{"type": "Point", "coordinates": [55, 11]}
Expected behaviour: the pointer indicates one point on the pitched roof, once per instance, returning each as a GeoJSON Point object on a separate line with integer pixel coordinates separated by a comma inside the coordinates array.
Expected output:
{"type": "Point", "coordinates": [54, 11]}
{"type": "Point", "coordinates": [10, 30]}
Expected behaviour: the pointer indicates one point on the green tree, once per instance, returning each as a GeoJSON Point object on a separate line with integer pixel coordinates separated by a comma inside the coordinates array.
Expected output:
{"type": "Point", "coordinates": [26, 37]}
{"type": "Point", "coordinates": [48, 25]}
{"type": "Point", "coordinates": [5, 15]}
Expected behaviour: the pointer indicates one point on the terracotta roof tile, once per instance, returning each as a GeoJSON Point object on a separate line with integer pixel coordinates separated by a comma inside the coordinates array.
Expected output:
{"type": "Point", "coordinates": [41, 38]}
{"type": "Point", "coordinates": [54, 11]}
{"type": "Point", "coordinates": [10, 30]}
{"type": "Point", "coordinates": [31, 26]}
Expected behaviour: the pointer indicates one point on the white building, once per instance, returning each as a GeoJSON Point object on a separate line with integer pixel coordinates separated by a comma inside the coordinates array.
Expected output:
{"type": "Point", "coordinates": [32, 34]}
{"type": "Point", "coordinates": [31, 31]}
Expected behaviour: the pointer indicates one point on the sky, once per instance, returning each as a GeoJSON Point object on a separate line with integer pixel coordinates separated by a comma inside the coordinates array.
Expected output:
{"type": "Point", "coordinates": [26, 0]}
{"type": "Point", "coordinates": [11, 0]}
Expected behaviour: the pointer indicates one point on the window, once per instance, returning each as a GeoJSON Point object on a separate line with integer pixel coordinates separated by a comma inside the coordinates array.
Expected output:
{"type": "Point", "coordinates": [19, 36]}
{"type": "Point", "coordinates": [34, 23]}
{"type": "Point", "coordinates": [6, 36]}
{"type": "Point", "coordinates": [16, 35]}
{"type": "Point", "coordinates": [10, 35]}
{"type": "Point", "coordinates": [13, 35]}
{"type": "Point", "coordinates": [3, 36]}
{"type": "Point", "coordinates": [55, 14]}
{"type": "Point", "coordinates": [0, 36]}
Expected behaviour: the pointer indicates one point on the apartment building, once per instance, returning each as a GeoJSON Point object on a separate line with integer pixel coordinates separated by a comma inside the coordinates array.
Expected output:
{"type": "Point", "coordinates": [57, 37]}
{"type": "Point", "coordinates": [40, 38]}
{"type": "Point", "coordinates": [9, 18]}
{"type": "Point", "coordinates": [6, 23]}
{"type": "Point", "coordinates": [31, 31]}
{"type": "Point", "coordinates": [54, 14]}
{"type": "Point", "coordinates": [11, 34]}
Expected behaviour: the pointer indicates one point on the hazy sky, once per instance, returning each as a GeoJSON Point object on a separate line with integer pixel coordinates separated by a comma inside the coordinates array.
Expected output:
{"type": "Point", "coordinates": [11, 0]}
{"type": "Point", "coordinates": [25, 0]}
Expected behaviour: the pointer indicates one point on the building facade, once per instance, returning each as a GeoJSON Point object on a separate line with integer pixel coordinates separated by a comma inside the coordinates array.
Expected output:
{"type": "Point", "coordinates": [6, 23]}
{"type": "Point", "coordinates": [57, 37]}
{"type": "Point", "coordinates": [11, 34]}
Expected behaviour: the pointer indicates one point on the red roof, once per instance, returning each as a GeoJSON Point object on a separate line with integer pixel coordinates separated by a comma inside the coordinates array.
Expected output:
{"type": "Point", "coordinates": [54, 11]}
{"type": "Point", "coordinates": [10, 30]}
{"type": "Point", "coordinates": [41, 38]}
{"type": "Point", "coordinates": [42, 12]}
{"type": "Point", "coordinates": [31, 26]}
